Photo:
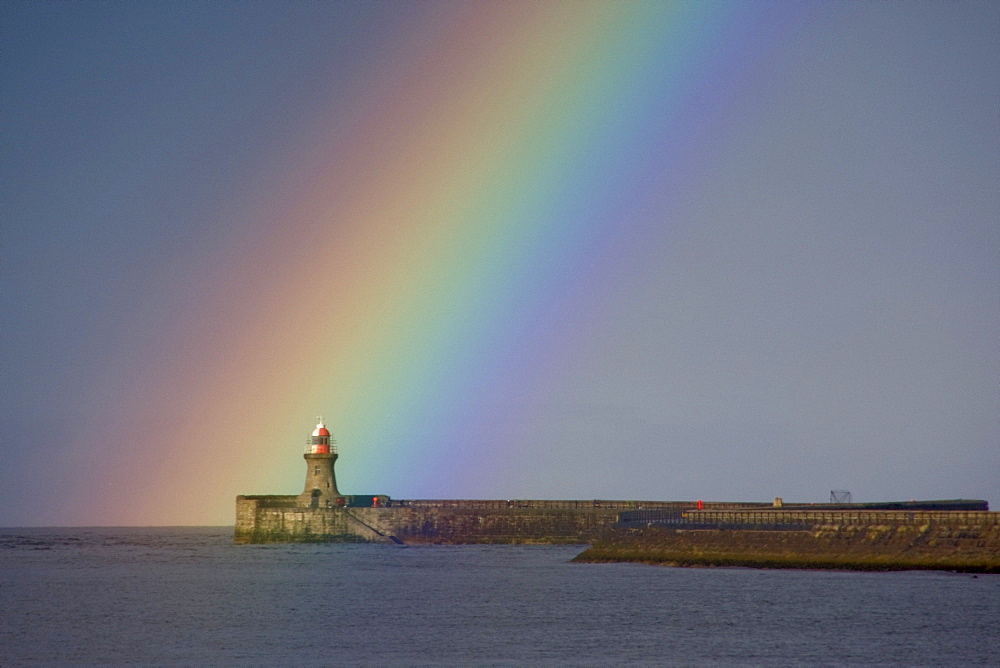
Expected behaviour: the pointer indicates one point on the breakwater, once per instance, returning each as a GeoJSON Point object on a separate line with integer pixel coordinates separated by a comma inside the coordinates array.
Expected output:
{"type": "Point", "coordinates": [967, 541]}
{"type": "Point", "coordinates": [262, 519]}
{"type": "Point", "coordinates": [905, 534]}
{"type": "Point", "coordinates": [682, 533]}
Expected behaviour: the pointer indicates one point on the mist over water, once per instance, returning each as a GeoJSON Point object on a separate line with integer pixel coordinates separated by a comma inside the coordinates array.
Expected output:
{"type": "Point", "coordinates": [188, 595]}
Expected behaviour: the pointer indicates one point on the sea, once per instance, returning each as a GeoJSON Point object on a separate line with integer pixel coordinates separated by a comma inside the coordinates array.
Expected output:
{"type": "Point", "coordinates": [189, 596]}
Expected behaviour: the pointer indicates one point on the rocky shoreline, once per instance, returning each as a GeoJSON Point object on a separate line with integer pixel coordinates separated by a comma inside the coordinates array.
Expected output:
{"type": "Point", "coordinates": [939, 546]}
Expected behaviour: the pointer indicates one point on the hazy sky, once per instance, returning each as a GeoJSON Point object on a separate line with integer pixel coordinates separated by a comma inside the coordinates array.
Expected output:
{"type": "Point", "coordinates": [727, 251]}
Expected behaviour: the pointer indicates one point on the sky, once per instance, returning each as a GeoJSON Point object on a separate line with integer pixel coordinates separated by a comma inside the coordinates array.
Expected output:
{"type": "Point", "coordinates": [624, 250]}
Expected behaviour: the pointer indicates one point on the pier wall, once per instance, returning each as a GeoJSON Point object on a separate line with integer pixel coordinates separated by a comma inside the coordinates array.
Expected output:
{"type": "Point", "coordinates": [262, 519]}
{"type": "Point", "coordinates": [674, 533]}
{"type": "Point", "coordinates": [498, 525]}
{"type": "Point", "coordinates": [278, 519]}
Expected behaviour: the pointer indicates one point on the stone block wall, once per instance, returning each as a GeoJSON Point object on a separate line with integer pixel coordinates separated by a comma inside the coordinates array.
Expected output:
{"type": "Point", "coordinates": [499, 525]}
{"type": "Point", "coordinates": [280, 520]}
{"type": "Point", "coordinates": [261, 519]}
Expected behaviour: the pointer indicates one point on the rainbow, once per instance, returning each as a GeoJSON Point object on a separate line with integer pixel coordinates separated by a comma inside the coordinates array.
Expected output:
{"type": "Point", "coordinates": [431, 260]}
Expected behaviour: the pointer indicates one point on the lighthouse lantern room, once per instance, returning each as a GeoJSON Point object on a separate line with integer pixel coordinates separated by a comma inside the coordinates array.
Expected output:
{"type": "Point", "coordinates": [320, 442]}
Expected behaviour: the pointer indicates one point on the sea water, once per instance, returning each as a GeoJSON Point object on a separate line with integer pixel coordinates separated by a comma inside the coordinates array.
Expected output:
{"type": "Point", "coordinates": [190, 596]}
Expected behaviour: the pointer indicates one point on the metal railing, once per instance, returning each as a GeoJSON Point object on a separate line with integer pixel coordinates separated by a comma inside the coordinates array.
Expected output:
{"type": "Point", "coordinates": [762, 517]}
{"type": "Point", "coordinates": [309, 449]}
{"type": "Point", "coordinates": [608, 504]}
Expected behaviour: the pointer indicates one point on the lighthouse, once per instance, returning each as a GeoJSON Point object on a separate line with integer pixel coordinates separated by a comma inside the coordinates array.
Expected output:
{"type": "Point", "coordinates": [321, 484]}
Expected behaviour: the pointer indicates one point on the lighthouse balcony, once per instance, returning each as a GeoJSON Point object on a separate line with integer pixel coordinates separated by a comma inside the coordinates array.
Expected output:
{"type": "Point", "coordinates": [316, 448]}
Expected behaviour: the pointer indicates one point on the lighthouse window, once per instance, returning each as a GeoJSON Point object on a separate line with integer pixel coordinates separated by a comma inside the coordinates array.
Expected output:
{"type": "Point", "coordinates": [317, 470]}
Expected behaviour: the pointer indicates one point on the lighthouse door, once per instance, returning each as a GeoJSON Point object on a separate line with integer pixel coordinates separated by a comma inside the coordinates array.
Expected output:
{"type": "Point", "coordinates": [315, 499]}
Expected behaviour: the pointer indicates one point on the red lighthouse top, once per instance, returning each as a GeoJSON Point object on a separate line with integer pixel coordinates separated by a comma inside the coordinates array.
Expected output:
{"type": "Point", "coordinates": [319, 442]}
